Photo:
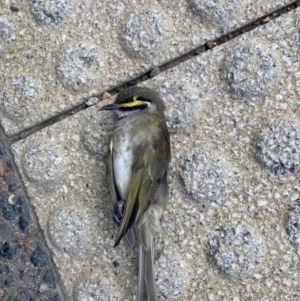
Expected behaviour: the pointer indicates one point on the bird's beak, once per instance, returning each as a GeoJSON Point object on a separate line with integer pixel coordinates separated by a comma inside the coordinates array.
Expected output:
{"type": "Point", "coordinates": [110, 107]}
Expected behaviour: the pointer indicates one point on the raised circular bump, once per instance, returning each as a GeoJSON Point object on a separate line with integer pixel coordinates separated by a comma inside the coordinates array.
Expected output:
{"type": "Point", "coordinates": [44, 163]}
{"type": "Point", "coordinates": [89, 288]}
{"type": "Point", "coordinates": [235, 249]}
{"type": "Point", "coordinates": [144, 33]}
{"type": "Point", "coordinates": [20, 93]}
{"type": "Point", "coordinates": [80, 67]}
{"type": "Point", "coordinates": [292, 224]}
{"type": "Point", "coordinates": [7, 32]}
{"type": "Point", "coordinates": [70, 230]}
{"type": "Point", "coordinates": [51, 12]}
{"type": "Point", "coordinates": [214, 11]}
{"type": "Point", "coordinates": [278, 147]}
{"type": "Point", "coordinates": [204, 176]}
{"type": "Point", "coordinates": [251, 72]}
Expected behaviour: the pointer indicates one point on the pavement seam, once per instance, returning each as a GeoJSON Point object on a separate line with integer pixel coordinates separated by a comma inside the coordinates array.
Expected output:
{"type": "Point", "coordinates": [174, 62]}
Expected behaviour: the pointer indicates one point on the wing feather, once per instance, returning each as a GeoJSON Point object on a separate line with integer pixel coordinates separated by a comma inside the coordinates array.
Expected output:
{"type": "Point", "coordinates": [115, 196]}
{"type": "Point", "coordinates": [130, 206]}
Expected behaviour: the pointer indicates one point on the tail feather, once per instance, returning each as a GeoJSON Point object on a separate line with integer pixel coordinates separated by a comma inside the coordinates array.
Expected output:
{"type": "Point", "coordinates": [146, 229]}
{"type": "Point", "coordinates": [146, 281]}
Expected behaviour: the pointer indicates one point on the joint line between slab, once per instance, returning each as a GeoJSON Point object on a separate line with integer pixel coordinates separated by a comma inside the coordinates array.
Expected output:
{"type": "Point", "coordinates": [172, 63]}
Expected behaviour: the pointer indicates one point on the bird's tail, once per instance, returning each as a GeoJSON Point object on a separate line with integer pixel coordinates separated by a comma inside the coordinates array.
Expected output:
{"type": "Point", "coordinates": [147, 227]}
{"type": "Point", "coordinates": [146, 282]}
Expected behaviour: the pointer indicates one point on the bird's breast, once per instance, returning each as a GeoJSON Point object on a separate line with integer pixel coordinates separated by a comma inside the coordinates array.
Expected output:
{"type": "Point", "coordinates": [122, 162]}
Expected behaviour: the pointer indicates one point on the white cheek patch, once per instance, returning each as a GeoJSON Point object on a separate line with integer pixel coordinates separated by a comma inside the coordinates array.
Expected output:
{"type": "Point", "coordinates": [151, 106]}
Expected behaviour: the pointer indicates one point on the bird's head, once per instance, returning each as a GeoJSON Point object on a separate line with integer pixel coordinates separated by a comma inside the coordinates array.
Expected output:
{"type": "Point", "coordinates": [134, 100]}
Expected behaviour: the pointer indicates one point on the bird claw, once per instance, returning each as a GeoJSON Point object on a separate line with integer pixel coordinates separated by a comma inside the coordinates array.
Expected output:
{"type": "Point", "coordinates": [118, 211]}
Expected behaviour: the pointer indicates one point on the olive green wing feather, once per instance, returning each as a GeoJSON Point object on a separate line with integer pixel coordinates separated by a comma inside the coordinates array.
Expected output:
{"type": "Point", "coordinates": [131, 205]}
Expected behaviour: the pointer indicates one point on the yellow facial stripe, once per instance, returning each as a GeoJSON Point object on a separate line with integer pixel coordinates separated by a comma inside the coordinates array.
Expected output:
{"type": "Point", "coordinates": [136, 102]}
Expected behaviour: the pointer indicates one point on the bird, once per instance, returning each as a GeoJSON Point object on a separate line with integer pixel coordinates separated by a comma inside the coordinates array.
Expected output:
{"type": "Point", "coordinates": [139, 154]}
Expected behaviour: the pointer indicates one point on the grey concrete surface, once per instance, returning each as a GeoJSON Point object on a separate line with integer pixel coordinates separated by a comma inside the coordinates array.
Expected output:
{"type": "Point", "coordinates": [56, 54]}
{"type": "Point", "coordinates": [231, 229]}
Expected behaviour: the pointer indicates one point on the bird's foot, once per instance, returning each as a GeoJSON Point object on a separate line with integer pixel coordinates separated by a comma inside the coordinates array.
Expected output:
{"type": "Point", "coordinates": [118, 211]}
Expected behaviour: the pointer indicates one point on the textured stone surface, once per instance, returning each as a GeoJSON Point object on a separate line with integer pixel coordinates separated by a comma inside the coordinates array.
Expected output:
{"type": "Point", "coordinates": [51, 12]}
{"type": "Point", "coordinates": [80, 67]}
{"type": "Point", "coordinates": [293, 223]}
{"type": "Point", "coordinates": [235, 249]}
{"type": "Point", "coordinates": [144, 34]}
{"type": "Point", "coordinates": [25, 270]}
{"type": "Point", "coordinates": [204, 176]}
{"type": "Point", "coordinates": [7, 31]}
{"type": "Point", "coordinates": [229, 211]}
{"type": "Point", "coordinates": [78, 230]}
{"type": "Point", "coordinates": [57, 54]}
{"type": "Point", "coordinates": [217, 11]}
{"type": "Point", "coordinates": [251, 72]}
{"type": "Point", "coordinates": [278, 147]}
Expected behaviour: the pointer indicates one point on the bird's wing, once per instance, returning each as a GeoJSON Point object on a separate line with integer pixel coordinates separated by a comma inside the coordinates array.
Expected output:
{"type": "Point", "coordinates": [150, 164]}
{"type": "Point", "coordinates": [115, 196]}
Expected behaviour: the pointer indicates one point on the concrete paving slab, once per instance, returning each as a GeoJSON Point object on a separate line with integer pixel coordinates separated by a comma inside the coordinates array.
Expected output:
{"type": "Point", "coordinates": [231, 230]}
{"type": "Point", "coordinates": [56, 54]}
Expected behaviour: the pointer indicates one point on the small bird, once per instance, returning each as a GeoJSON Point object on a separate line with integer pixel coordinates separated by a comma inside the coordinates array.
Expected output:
{"type": "Point", "coordinates": [138, 160]}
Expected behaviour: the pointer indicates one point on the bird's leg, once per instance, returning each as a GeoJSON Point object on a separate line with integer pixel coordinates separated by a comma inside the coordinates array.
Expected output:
{"type": "Point", "coordinates": [118, 211]}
